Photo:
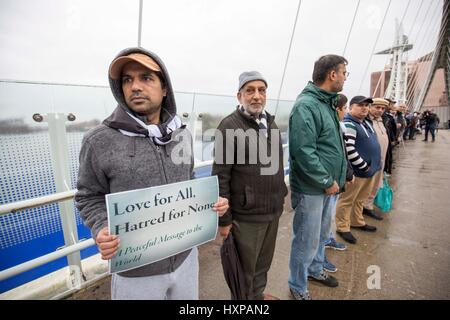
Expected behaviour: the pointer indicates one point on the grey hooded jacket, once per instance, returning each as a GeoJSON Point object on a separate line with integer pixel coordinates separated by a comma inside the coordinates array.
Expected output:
{"type": "Point", "coordinates": [112, 162]}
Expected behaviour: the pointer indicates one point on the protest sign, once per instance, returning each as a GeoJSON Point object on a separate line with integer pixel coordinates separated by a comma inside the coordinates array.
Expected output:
{"type": "Point", "coordinates": [159, 222]}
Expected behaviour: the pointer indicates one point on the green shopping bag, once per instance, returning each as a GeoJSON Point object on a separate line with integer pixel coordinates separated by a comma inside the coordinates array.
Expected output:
{"type": "Point", "coordinates": [383, 200]}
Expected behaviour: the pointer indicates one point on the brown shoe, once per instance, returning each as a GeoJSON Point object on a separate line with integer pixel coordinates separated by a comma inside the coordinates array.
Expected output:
{"type": "Point", "coordinates": [270, 297]}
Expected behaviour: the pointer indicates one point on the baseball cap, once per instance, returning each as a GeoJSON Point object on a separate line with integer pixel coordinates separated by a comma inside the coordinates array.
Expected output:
{"type": "Point", "coordinates": [115, 69]}
{"type": "Point", "coordinates": [360, 100]}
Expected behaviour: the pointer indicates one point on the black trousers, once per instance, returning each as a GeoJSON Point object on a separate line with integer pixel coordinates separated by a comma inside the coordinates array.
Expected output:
{"type": "Point", "coordinates": [255, 243]}
{"type": "Point", "coordinates": [389, 158]}
{"type": "Point", "coordinates": [431, 129]}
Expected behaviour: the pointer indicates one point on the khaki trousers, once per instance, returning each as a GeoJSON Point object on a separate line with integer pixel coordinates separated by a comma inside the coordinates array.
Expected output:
{"type": "Point", "coordinates": [377, 184]}
{"type": "Point", "coordinates": [350, 204]}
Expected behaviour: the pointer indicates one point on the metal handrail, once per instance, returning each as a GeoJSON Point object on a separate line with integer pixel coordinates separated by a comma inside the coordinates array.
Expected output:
{"type": "Point", "coordinates": [20, 268]}
{"type": "Point", "coordinates": [57, 197]}
{"type": "Point", "coordinates": [62, 196]}
{"type": "Point", "coordinates": [108, 87]}
{"type": "Point", "coordinates": [36, 202]}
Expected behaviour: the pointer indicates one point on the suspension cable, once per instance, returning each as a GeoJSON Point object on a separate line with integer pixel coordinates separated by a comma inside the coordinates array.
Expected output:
{"type": "Point", "coordinates": [424, 38]}
{"type": "Point", "coordinates": [419, 85]}
{"type": "Point", "coordinates": [351, 27]}
{"type": "Point", "coordinates": [374, 46]}
{"type": "Point", "coordinates": [416, 49]}
{"type": "Point", "coordinates": [287, 57]}
{"type": "Point", "coordinates": [415, 81]}
{"type": "Point", "coordinates": [431, 68]}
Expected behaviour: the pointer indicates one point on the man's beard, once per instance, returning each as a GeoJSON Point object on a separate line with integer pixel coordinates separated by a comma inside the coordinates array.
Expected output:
{"type": "Point", "coordinates": [337, 87]}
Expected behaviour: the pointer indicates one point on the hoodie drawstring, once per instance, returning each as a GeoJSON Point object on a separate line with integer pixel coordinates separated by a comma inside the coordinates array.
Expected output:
{"type": "Point", "coordinates": [131, 147]}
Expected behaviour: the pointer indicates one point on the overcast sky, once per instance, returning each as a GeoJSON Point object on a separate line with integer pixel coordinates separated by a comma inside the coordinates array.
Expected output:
{"type": "Point", "coordinates": [206, 44]}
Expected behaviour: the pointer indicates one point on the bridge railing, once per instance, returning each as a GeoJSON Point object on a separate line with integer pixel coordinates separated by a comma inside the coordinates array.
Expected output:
{"type": "Point", "coordinates": [67, 250]}
{"type": "Point", "coordinates": [64, 195]}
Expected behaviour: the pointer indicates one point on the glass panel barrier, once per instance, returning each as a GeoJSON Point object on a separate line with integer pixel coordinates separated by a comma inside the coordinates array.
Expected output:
{"type": "Point", "coordinates": [26, 169]}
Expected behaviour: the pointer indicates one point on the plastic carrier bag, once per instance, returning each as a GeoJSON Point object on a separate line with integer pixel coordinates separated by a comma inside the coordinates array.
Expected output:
{"type": "Point", "coordinates": [383, 200]}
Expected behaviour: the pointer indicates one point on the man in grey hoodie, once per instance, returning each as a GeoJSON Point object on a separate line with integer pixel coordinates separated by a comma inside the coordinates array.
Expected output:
{"type": "Point", "coordinates": [130, 150]}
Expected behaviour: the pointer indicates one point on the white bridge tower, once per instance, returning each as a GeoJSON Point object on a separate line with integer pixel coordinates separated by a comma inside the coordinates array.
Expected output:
{"type": "Point", "coordinates": [398, 82]}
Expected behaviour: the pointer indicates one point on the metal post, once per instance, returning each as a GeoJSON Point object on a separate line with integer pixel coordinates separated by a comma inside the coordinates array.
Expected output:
{"type": "Point", "coordinates": [190, 120]}
{"type": "Point", "coordinates": [192, 123]}
{"type": "Point", "coordinates": [140, 23]}
{"type": "Point", "coordinates": [60, 161]}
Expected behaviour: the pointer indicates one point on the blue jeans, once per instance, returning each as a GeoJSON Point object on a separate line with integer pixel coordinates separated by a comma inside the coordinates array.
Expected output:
{"type": "Point", "coordinates": [431, 129]}
{"type": "Point", "coordinates": [311, 228]}
{"type": "Point", "coordinates": [333, 215]}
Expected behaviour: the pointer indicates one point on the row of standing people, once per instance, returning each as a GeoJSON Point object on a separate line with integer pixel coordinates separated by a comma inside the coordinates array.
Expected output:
{"type": "Point", "coordinates": [337, 161]}
{"type": "Point", "coordinates": [429, 121]}
{"type": "Point", "coordinates": [371, 130]}
{"type": "Point", "coordinates": [402, 125]}
{"type": "Point", "coordinates": [414, 122]}
{"type": "Point", "coordinates": [132, 149]}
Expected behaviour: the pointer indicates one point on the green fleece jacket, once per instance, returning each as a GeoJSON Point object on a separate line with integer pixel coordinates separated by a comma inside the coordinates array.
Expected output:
{"type": "Point", "coordinates": [316, 148]}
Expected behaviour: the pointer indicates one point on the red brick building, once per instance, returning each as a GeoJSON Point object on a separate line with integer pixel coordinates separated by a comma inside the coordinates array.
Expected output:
{"type": "Point", "coordinates": [417, 72]}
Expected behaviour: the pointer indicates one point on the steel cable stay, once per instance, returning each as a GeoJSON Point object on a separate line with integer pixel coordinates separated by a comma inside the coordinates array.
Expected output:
{"type": "Point", "coordinates": [437, 24]}
{"type": "Point", "coordinates": [424, 39]}
{"type": "Point", "coordinates": [351, 27]}
{"type": "Point", "coordinates": [414, 83]}
{"type": "Point", "coordinates": [412, 86]}
{"type": "Point", "coordinates": [374, 46]}
{"type": "Point", "coordinates": [416, 93]}
{"type": "Point", "coordinates": [287, 56]}
{"type": "Point", "coordinates": [423, 43]}
{"type": "Point", "coordinates": [432, 65]}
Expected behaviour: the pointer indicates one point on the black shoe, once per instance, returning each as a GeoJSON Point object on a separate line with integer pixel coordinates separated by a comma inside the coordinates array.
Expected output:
{"type": "Point", "coordinates": [300, 296]}
{"type": "Point", "coordinates": [425, 140]}
{"type": "Point", "coordinates": [325, 279]}
{"type": "Point", "coordinates": [366, 228]}
{"type": "Point", "coordinates": [372, 214]}
{"type": "Point", "coordinates": [347, 236]}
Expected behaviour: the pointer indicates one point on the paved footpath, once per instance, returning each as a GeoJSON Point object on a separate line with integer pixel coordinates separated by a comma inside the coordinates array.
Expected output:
{"type": "Point", "coordinates": [410, 250]}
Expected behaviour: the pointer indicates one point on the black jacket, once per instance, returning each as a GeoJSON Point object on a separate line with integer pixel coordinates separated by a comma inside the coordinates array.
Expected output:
{"type": "Point", "coordinates": [253, 197]}
{"type": "Point", "coordinates": [390, 125]}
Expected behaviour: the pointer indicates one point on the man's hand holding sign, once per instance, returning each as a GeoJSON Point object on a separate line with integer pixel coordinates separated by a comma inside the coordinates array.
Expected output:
{"type": "Point", "coordinates": [159, 217]}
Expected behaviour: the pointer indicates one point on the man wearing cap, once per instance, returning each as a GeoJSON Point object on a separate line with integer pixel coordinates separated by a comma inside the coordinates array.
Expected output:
{"type": "Point", "coordinates": [130, 150]}
{"type": "Point", "coordinates": [401, 120]}
{"type": "Point", "coordinates": [391, 129]}
{"type": "Point", "coordinates": [376, 109]}
{"type": "Point", "coordinates": [364, 153]}
{"type": "Point", "coordinates": [254, 187]}
{"type": "Point", "coordinates": [318, 172]}
{"type": "Point", "coordinates": [431, 123]}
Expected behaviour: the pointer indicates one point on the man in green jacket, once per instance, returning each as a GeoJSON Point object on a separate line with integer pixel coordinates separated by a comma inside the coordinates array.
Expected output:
{"type": "Point", "coordinates": [318, 169]}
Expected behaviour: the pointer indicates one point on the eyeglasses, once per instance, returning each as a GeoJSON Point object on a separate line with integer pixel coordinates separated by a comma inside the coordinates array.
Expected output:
{"type": "Point", "coordinates": [346, 74]}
